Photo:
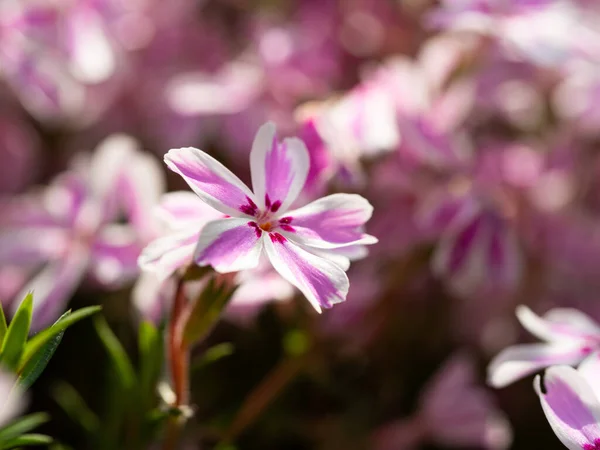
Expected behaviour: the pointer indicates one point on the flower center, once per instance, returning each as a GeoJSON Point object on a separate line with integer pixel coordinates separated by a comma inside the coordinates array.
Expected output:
{"type": "Point", "coordinates": [266, 226]}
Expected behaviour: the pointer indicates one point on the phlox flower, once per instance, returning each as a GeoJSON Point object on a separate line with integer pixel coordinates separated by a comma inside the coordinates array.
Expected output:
{"type": "Point", "coordinates": [453, 412]}
{"type": "Point", "coordinates": [70, 229]}
{"type": "Point", "coordinates": [300, 243]}
{"type": "Point", "coordinates": [181, 217]}
{"type": "Point", "coordinates": [570, 399]}
{"type": "Point", "coordinates": [569, 336]}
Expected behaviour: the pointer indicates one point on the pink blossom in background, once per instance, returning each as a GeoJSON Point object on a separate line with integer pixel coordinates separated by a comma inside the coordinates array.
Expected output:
{"type": "Point", "coordinates": [453, 412]}
{"type": "Point", "coordinates": [46, 53]}
{"type": "Point", "coordinates": [298, 243]}
{"type": "Point", "coordinates": [19, 150]}
{"type": "Point", "coordinates": [70, 229]}
{"type": "Point", "coordinates": [570, 401]}
{"type": "Point", "coordinates": [569, 337]}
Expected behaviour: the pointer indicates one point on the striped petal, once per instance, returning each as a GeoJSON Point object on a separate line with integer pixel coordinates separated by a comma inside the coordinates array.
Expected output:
{"type": "Point", "coordinates": [212, 181]}
{"type": "Point", "coordinates": [571, 407]}
{"type": "Point", "coordinates": [229, 245]}
{"type": "Point", "coordinates": [279, 170]}
{"type": "Point", "coordinates": [321, 281]}
{"type": "Point", "coordinates": [333, 221]}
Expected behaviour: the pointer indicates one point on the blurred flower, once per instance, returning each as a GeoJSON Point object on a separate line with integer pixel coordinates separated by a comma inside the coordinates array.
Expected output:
{"type": "Point", "coordinates": [72, 228]}
{"type": "Point", "coordinates": [298, 242]}
{"type": "Point", "coordinates": [19, 150]}
{"type": "Point", "coordinates": [59, 58]}
{"type": "Point", "coordinates": [570, 336]}
{"type": "Point", "coordinates": [12, 400]}
{"type": "Point", "coordinates": [571, 402]}
{"type": "Point", "coordinates": [453, 412]}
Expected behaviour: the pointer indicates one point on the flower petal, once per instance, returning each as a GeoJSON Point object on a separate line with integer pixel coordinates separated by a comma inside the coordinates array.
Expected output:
{"type": "Point", "coordinates": [279, 170]}
{"type": "Point", "coordinates": [114, 255]}
{"type": "Point", "coordinates": [165, 255]}
{"type": "Point", "coordinates": [333, 221]}
{"type": "Point", "coordinates": [54, 285]}
{"type": "Point", "coordinates": [589, 369]}
{"type": "Point", "coordinates": [229, 245]}
{"type": "Point", "coordinates": [514, 363]}
{"type": "Point", "coordinates": [560, 324]}
{"type": "Point", "coordinates": [571, 407]}
{"type": "Point", "coordinates": [32, 245]}
{"type": "Point", "coordinates": [321, 281]}
{"type": "Point", "coordinates": [211, 180]}
{"type": "Point", "coordinates": [181, 209]}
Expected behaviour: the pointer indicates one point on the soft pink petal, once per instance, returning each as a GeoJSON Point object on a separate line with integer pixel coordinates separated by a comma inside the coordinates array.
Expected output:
{"type": "Point", "coordinates": [229, 245]}
{"type": "Point", "coordinates": [211, 181]}
{"type": "Point", "coordinates": [151, 296]}
{"type": "Point", "coordinates": [333, 221]}
{"type": "Point", "coordinates": [139, 189]}
{"type": "Point", "coordinates": [519, 361]}
{"type": "Point", "coordinates": [256, 288]}
{"type": "Point", "coordinates": [279, 170]}
{"type": "Point", "coordinates": [572, 322]}
{"type": "Point", "coordinates": [571, 407]}
{"type": "Point", "coordinates": [53, 286]}
{"type": "Point", "coordinates": [560, 325]}
{"type": "Point", "coordinates": [321, 281]}
{"type": "Point", "coordinates": [183, 208]}
{"type": "Point", "coordinates": [115, 253]}
{"type": "Point", "coordinates": [461, 413]}
{"type": "Point", "coordinates": [165, 255]}
{"type": "Point", "coordinates": [589, 369]}
{"type": "Point", "coordinates": [32, 245]}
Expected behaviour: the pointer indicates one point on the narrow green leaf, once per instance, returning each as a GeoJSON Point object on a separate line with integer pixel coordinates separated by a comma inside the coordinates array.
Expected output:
{"type": "Point", "coordinates": [116, 352]}
{"type": "Point", "coordinates": [3, 325]}
{"type": "Point", "coordinates": [38, 341]}
{"type": "Point", "coordinates": [151, 348]}
{"type": "Point", "coordinates": [27, 439]}
{"type": "Point", "coordinates": [75, 406]}
{"type": "Point", "coordinates": [22, 426]}
{"type": "Point", "coordinates": [16, 334]}
{"type": "Point", "coordinates": [36, 365]}
{"type": "Point", "coordinates": [206, 311]}
{"type": "Point", "coordinates": [214, 354]}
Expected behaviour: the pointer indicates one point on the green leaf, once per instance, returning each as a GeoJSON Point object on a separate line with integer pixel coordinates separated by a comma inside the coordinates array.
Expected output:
{"type": "Point", "coordinates": [116, 352]}
{"type": "Point", "coordinates": [151, 349]}
{"type": "Point", "coordinates": [16, 334]}
{"type": "Point", "coordinates": [36, 365]}
{"type": "Point", "coordinates": [22, 426]}
{"type": "Point", "coordinates": [27, 439]}
{"type": "Point", "coordinates": [214, 354]}
{"type": "Point", "coordinates": [2, 324]}
{"type": "Point", "coordinates": [206, 311]}
{"type": "Point", "coordinates": [37, 342]}
{"type": "Point", "coordinates": [75, 406]}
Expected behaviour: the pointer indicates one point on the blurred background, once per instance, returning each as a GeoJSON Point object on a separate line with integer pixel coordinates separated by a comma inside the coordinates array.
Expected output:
{"type": "Point", "coordinates": [472, 126]}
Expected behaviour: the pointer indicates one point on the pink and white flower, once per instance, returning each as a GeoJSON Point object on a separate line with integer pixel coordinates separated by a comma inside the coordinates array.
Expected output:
{"type": "Point", "coordinates": [569, 336]}
{"type": "Point", "coordinates": [70, 229]}
{"type": "Point", "coordinates": [570, 399]}
{"type": "Point", "coordinates": [299, 242]}
{"type": "Point", "coordinates": [454, 411]}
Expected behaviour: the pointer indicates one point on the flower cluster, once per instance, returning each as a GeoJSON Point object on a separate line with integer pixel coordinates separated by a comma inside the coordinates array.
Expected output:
{"type": "Point", "coordinates": [441, 170]}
